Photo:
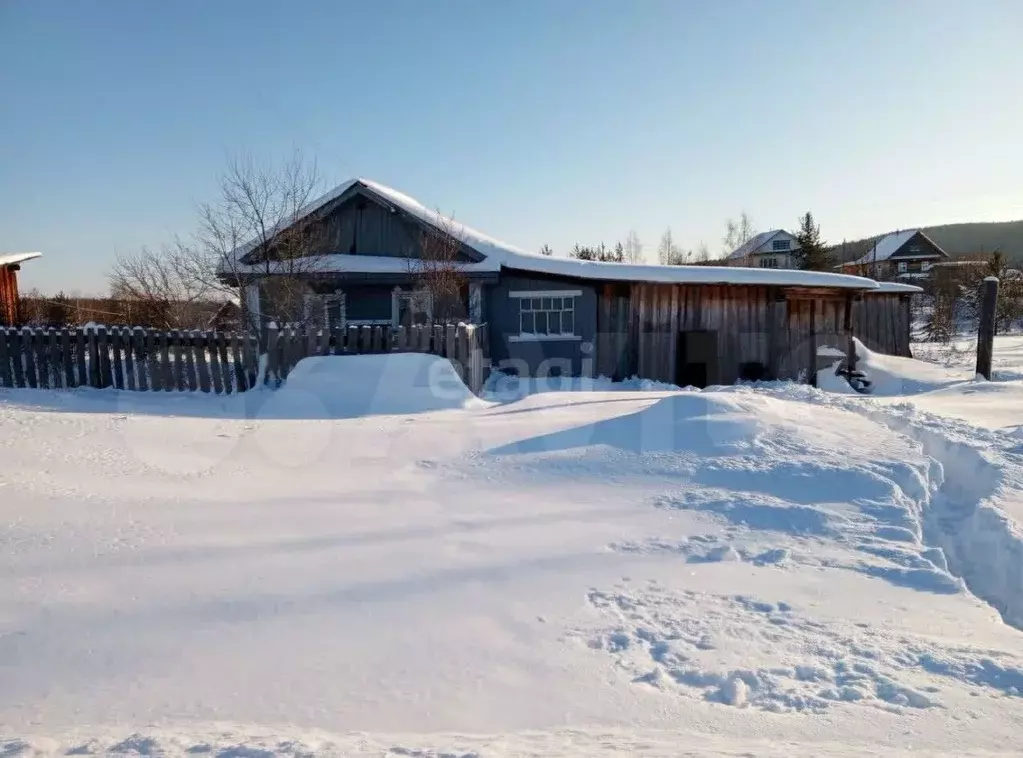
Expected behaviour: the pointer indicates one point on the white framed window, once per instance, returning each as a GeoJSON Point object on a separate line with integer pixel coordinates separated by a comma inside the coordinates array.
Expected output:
{"type": "Point", "coordinates": [768, 263]}
{"type": "Point", "coordinates": [546, 315]}
{"type": "Point", "coordinates": [781, 245]}
{"type": "Point", "coordinates": [902, 267]}
{"type": "Point", "coordinates": [411, 307]}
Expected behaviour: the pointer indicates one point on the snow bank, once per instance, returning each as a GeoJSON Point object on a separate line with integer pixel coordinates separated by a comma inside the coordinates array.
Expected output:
{"type": "Point", "coordinates": [502, 387]}
{"type": "Point", "coordinates": [361, 385]}
{"type": "Point", "coordinates": [891, 375]}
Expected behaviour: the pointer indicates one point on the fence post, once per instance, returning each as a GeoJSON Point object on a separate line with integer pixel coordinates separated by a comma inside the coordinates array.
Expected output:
{"type": "Point", "coordinates": [215, 373]}
{"type": "Point", "coordinates": [118, 364]}
{"type": "Point", "coordinates": [41, 358]}
{"type": "Point", "coordinates": [83, 357]}
{"type": "Point", "coordinates": [202, 367]}
{"type": "Point", "coordinates": [17, 362]}
{"type": "Point", "coordinates": [240, 383]}
{"type": "Point", "coordinates": [273, 366]}
{"type": "Point", "coordinates": [56, 359]}
{"type": "Point", "coordinates": [29, 358]}
{"type": "Point", "coordinates": [250, 354]}
{"type": "Point", "coordinates": [438, 339]}
{"type": "Point", "coordinates": [190, 375]}
{"type": "Point", "coordinates": [105, 364]}
{"type": "Point", "coordinates": [136, 339]}
{"type": "Point", "coordinates": [986, 331]}
{"type": "Point", "coordinates": [153, 361]}
{"type": "Point", "coordinates": [5, 361]}
{"type": "Point", "coordinates": [129, 358]}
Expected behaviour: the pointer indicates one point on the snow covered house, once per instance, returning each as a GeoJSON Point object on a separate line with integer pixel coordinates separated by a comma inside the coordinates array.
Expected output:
{"type": "Point", "coordinates": [773, 249]}
{"type": "Point", "coordinates": [10, 264]}
{"type": "Point", "coordinates": [907, 254]}
{"type": "Point", "coordinates": [375, 261]}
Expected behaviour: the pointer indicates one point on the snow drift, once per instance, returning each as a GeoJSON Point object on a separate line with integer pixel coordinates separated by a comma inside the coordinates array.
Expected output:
{"type": "Point", "coordinates": [890, 375]}
{"type": "Point", "coordinates": [369, 385]}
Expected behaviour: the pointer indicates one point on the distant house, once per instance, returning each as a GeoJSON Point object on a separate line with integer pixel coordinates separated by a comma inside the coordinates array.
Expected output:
{"type": "Point", "coordinates": [771, 249]}
{"type": "Point", "coordinates": [908, 254]}
{"type": "Point", "coordinates": [10, 264]}
{"type": "Point", "coordinates": [547, 315]}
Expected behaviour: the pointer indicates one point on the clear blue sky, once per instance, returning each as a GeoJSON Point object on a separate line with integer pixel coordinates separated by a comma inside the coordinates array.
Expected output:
{"type": "Point", "coordinates": [550, 121]}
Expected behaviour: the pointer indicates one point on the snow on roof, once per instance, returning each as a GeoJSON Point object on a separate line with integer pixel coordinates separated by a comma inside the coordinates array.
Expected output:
{"type": "Point", "coordinates": [753, 244]}
{"type": "Point", "coordinates": [897, 287]}
{"type": "Point", "coordinates": [10, 259]}
{"type": "Point", "coordinates": [884, 248]}
{"type": "Point", "coordinates": [500, 255]}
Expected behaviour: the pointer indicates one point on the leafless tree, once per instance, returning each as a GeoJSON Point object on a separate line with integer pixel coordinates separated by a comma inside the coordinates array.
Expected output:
{"type": "Point", "coordinates": [257, 236]}
{"type": "Point", "coordinates": [439, 285]}
{"type": "Point", "coordinates": [260, 232]}
{"type": "Point", "coordinates": [670, 254]}
{"type": "Point", "coordinates": [162, 290]}
{"type": "Point", "coordinates": [633, 248]}
{"type": "Point", "coordinates": [738, 232]}
{"type": "Point", "coordinates": [702, 254]}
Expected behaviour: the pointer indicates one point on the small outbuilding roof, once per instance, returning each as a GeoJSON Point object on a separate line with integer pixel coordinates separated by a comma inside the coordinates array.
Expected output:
{"type": "Point", "coordinates": [11, 259]}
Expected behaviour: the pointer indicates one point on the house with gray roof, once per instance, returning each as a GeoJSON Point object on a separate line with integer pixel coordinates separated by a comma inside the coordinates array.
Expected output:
{"type": "Point", "coordinates": [369, 257]}
{"type": "Point", "coordinates": [907, 254]}
{"type": "Point", "coordinates": [772, 249]}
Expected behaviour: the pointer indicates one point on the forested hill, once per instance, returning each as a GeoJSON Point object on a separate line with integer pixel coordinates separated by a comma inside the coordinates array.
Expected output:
{"type": "Point", "coordinates": [958, 240]}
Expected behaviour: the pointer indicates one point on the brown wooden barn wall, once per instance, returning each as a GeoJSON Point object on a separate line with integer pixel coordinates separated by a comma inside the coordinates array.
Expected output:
{"type": "Point", "coordinates": [8, 295]}
{"type": "Point", "coordinates": [780, 328]}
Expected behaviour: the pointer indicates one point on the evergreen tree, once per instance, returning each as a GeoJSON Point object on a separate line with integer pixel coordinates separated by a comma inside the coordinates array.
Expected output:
{"type": "Point", "coordinates": [812, 254]}
{"type": "Point", "coordinates": [546, 250]}
{"type": "Point", "coordinates": [618, 254]}
{"type": "Point", "coordinates": [583, 253]}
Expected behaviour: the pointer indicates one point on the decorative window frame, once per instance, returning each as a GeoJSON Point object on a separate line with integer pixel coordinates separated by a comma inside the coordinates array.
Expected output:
{"type": "Point", "coordinates": [521, 295]}
{"type": "Point", "coordinates": [397, 294]}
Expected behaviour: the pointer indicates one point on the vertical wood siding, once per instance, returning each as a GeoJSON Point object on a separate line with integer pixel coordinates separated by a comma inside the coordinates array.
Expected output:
{"type": "Point", "coordinates": [779, 328]}
{"type": "Point", "coordinates": [8, 296]}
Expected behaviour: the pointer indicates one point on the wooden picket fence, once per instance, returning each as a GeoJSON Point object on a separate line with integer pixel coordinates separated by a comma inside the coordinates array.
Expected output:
{"type": "Point", "coordinates": [181, 361]}
{"type": "Point", "coordinates": [465, 345]}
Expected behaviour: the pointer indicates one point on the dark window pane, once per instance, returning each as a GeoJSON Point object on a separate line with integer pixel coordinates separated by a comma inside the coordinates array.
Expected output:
{"type": "Point", "coordinates": [541, 323]}
{"type": "Point", "coordinates": [527, 322]}
{"type": "Point", "coordinates": [536, 303]}
{"type": "Point", "coordinates": [545, 303]}
{"type": "Point", "coordinates": [567, 322]}
{"type": "Point", "coordinates": [554, 322]}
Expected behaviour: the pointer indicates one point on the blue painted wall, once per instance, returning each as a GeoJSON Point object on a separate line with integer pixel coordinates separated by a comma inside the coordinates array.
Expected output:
{"type": "Point", "coordinates": [544, 357]}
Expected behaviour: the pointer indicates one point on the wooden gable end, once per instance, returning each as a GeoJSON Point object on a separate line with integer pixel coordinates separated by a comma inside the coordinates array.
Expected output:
{"type": "Point", "coordinates": [918, 246]}
{"type": "Point", "coordinates": [362, 223]}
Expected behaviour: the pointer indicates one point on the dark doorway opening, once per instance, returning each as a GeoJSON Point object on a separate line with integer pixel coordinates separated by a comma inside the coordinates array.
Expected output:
{"type": "Point", "coordinates": [752, 371]}
{"type": "Point", "coordinates": [696, 358]}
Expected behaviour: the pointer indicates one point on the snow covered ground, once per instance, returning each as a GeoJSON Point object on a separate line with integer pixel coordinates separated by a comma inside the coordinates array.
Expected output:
{"type": "Point", "coordinates": [371, 562]}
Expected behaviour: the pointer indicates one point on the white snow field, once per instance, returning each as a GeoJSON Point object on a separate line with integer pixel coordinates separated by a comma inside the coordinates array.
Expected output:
{"type": "Point", "coordinates": [370, 561]}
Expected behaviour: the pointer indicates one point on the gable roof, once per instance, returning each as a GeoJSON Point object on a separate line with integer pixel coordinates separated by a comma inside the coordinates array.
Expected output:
{"type": "Point", "coordinates": [753, 244]}
{"type": "Point", "coordinates": [889, 245]}
{"type": "Point", "coordinates": [497, 255]}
